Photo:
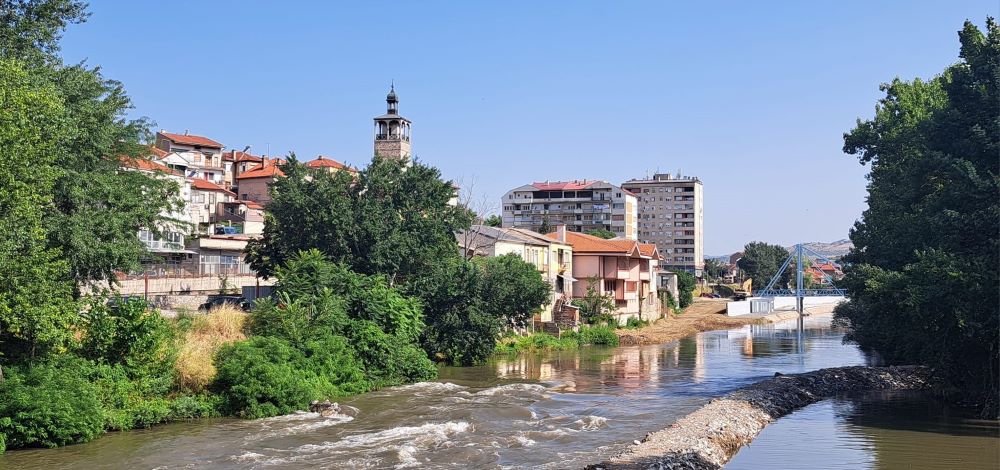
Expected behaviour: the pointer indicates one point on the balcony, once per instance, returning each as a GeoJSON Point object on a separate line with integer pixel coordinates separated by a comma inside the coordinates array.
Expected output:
{"type": "Point", "coordinates": [163, 246]}
{"type": "Point", "coordinates": [404, 138]}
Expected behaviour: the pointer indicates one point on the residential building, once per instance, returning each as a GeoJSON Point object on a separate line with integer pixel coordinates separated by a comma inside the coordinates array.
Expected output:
{"type": "Point", "coordinates": [202, 157]}
{"type": "Point", "coordinates": [204, 204]}
{"type": "Point", "coordinates": [253, 183]}
{"type": "Point", "coordinates": [237, 163]}
{"type": "Point", "coordinates": [392, 131]}
{"type": "Point", "coordinates": [671, 215]}
{"type": "Point", "coordinates": [581, 205]}
{"type": "Point", "coordinates": [621, 268]}
{"type": "Point", "coordinates": [166, 241]}
{"type": "Point", "coordinates": [552, 258]}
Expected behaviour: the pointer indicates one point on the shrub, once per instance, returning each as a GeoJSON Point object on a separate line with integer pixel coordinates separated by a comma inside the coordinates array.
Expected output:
{"type": "Point", "coordinates": [389, 360]}
{"type": "Point", "coordinates": [266, 376]}
{"type": "Point", "coordinates": [204, 336]}
{"type": "Point", "coordinates": [194, 406]}
{"type": "Point", "coordinates": [259, 377]}
{"type": "Point", "coordinates": [686, 282]}
{"type": "Point", "coordinates": [598, 335]}
{"type": "Point", "coordinates": [634, 323]}
{"type": "Point", "coordinates": [48, 405]}
{"type": "Point", "coordinates": [129, 402]}
{"type": "Point", "coordinates": [127, 333]}
{"type": "Point", "coordinates": [298, 320]}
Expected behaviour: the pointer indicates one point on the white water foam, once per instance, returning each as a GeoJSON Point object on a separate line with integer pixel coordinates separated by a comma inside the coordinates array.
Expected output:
{"type": "Point", "coordinates": [425, 436]}
{"type": "Point", "coordinates": [591, 423]}
{"type": "Point", "coordinates": [512, 389]}
{"type": "Point", "coordinates": [428, 387]}
{"type": "Point", "coordinates": [317, 422]}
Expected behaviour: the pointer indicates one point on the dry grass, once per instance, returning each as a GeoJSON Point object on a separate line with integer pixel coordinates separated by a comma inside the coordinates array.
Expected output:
{"type": "Point", "coordinates": [208, 332]}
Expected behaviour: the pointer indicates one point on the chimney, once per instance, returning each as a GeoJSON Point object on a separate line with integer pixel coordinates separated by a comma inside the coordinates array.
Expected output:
{"type": "Point", "coordinates": [561, 233]}
{"type": "Point", "coordinates": [185, 132]}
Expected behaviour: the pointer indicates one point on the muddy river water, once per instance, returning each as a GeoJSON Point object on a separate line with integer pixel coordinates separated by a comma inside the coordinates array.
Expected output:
{"type": "Point", "coordinates": [560, 410]}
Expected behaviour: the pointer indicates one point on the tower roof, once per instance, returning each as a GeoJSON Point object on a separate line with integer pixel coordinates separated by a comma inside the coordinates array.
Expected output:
{"type": "Point", "coordinates": [391, 97]}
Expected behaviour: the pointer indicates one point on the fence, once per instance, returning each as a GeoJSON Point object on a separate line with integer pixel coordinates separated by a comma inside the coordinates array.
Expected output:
{"type": "Point", "coordinates": [188, 270]}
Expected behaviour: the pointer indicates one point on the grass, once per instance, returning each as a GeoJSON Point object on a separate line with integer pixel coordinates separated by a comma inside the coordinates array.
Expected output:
{"type": "Point", "coordinates": [543, 342]}
{"type": "Point", "coordinates": [203, 337]}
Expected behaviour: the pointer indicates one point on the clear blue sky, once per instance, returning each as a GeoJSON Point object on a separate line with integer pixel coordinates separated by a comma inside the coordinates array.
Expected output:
{"type": "Point", "coordinates": [752, 97]}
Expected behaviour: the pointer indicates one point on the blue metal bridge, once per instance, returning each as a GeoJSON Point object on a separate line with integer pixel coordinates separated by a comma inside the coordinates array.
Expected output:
{"type": "Point", "coordinates": [800, 291]}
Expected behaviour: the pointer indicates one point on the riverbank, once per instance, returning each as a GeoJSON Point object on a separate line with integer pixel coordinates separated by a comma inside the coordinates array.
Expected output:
{"type": "Point", "coordinates": [701, 315]}
{"type": "Point", "coordinates": [709, 437]}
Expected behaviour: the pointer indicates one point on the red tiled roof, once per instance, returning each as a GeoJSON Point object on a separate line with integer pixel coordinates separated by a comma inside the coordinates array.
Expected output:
{"type": "Point", "coordinates": [253, 205]}
{"type": "Point", "coordinates": [267, 169]}
{"type": "Point", "coordinates": [324, 162]}
{"type": "Point", "coordinates": [237, 156]}
{"type": "Point", "coordinates": [649, 249]}
{"type": "Point", "coordinates": [146, 164]}
{"type": "Point", "coordinates": [564, 185]}
{"type": "Point", "coordinates": [583, 243]}
{"type": "Point", "coordinates": [205, 185]}
{"type": "Point", "coordinates": [158, 152]}
{"type": "Point", "coordinates": [188, 139]}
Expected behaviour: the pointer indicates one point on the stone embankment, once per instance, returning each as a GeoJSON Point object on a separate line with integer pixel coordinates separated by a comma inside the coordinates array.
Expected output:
{"type": "Point", "coordinates": [709, 437]}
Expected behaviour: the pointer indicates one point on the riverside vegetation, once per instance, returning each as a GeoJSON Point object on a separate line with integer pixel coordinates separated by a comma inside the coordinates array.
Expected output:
{"type": "Point", "coordinates": [371, 289]}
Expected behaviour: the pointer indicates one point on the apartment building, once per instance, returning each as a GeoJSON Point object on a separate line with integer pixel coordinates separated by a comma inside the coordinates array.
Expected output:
{"type": "Point", "coordinates": [671, 216]}
{"type": "Point", "coordinates": [581, 205]}
{"type": "Point", "coordinates": [552, 258]}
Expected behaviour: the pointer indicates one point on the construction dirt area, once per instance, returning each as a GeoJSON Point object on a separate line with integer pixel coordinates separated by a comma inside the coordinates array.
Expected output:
{"type": "Point", "coordinates": [702, 315]}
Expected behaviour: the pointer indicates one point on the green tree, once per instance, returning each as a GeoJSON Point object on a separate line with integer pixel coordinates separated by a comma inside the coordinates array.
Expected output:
{"type": "Point", "coordinates": [601, 233]}
{"type": "Point", "coordinates": [923, 273]}
{"type": "Point", "coordinates": [715, 269]}
{"type": "Point", "coordinates": [686, 282]}
{"type": "Point", "coordinates": [546, 227]}
{"type": "Point", "coordinates": [512, 289]}
{"type": "Point", "coordinates": [593, 305]}
{"type": "Point", "coordinates": [392, 219]}
{"type": "Point", "coordinates": [36, 306]}
{"type": "Point", "coordinates": [96, 210]}
{"type": "Point", "coordinates": [761, 262]}
{"type": "Point", "coordinates": [493, 221]}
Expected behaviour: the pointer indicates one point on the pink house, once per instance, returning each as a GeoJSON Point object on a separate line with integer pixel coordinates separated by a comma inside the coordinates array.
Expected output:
{"type": "Point", "coordinates": [623, 269]}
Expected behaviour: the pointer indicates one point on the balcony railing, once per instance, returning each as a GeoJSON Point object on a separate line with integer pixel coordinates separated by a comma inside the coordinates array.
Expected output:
{"type": "Point", "coordinates": [392, 137]}
{"type": "Point", "coordinates": [163, 245]}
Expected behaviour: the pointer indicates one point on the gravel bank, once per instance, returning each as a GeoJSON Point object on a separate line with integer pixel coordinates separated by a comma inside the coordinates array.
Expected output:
{"type": "Point", "coordinates": [707, 438]}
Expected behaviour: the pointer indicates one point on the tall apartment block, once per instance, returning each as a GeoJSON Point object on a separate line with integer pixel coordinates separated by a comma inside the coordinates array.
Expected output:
{"type": "Point", "coordinates": [581, 205]}
{"type": "Point", "coordinates": [671, 215]}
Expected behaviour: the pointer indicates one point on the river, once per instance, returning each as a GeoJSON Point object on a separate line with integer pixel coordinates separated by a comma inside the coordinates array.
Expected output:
{"type": "Point", "coordinates": [559, 410]}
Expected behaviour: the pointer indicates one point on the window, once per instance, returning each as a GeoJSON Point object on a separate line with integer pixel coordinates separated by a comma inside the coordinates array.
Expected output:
{"type": "Point", "coordinates": [618, 217]}
{"type": "Point", "coordinates": [618, 205]}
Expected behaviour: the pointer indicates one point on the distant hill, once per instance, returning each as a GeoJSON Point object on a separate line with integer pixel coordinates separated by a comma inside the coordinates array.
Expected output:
{"type": "Point", "coordinates": [831, 250]}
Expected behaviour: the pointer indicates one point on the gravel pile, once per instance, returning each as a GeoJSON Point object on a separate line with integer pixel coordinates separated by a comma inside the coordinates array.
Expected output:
{"type": "Point", "coordinates": [707, 438]}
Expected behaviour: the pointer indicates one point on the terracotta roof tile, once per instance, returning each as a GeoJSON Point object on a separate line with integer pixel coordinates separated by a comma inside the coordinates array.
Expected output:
{"type": "Point", "coordinates": [146, 164]}
{"type": "Point", "coordinates": [267, 169]}
{"type": "Point", "coordinates": [324, 162]}
{"type": "Point", "coordinates": [564, 185]}
{"type": "Point", "coordinates": [188, 139]}
{"type": "Point", "coordinates": [205, 185]}
{"type": "Point", "coordinates": [237, 156]}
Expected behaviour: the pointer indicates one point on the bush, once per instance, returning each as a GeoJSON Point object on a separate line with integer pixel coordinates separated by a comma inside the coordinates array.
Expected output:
{"type": "Point", "coordinates": [634, 323]}
{"type": "Point", "coordinates": [389, 360]}
{"type": "Point", "coordinates": [194, 406]}
{"type": "Point", "coordinates": [598, 335]}
{"type": "Point", "coordinates": [259, 377]}
{"type": "Point", "coordinates": [686, 283]}
{"type": "Point", "coordinates": [298, 320]}
{"type": "Point", "coordinates": [129, 402]}
{"type": "Point", "coordinates": [266, 376]}
{"type": "Point", "coordinates": [126, 332]}
{"type": "Point", "coordinates": [48, 405]}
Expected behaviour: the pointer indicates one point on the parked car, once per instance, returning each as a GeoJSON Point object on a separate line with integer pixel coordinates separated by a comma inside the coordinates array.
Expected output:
{"type": "Point", "coordinates": [219, 300]}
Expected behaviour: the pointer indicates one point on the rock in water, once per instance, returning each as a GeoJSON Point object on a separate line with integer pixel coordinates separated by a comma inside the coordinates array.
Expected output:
{"type": "Point", "coordinates": [325, 408]}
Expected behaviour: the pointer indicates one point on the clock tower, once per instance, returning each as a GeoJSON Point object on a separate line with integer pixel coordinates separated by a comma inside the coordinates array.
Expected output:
{"type": "Point", "coordinates": [392, 131]}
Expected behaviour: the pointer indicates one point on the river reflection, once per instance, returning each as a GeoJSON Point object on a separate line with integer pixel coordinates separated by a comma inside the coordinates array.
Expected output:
{"type": "Point", "coordinates": [560, 410]}
{"type": "Point", "coordinates": [880, 430]}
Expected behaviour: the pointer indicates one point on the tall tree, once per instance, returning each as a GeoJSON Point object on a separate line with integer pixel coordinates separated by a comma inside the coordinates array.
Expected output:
{"type": "Point", "coordinates": [923, 273]}
{"type": "Point", "coordinates": [96, 210]}
{"type": "Point", "coordinates": [390, 219]}
{"type": "Point", "coordinates": [36, 306]}
{"type": "Point", "coordinates": [761, 262]}
{"type": "Point", "coordinates": [493, 221]}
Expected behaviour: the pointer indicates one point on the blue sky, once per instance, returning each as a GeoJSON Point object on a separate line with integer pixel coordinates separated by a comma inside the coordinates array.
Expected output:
{"type": "Point", "coordinates": [752, 97]}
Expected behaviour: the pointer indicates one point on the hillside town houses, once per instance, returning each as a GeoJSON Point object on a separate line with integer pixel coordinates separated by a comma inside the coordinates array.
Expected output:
{"type": "Point", "coordinates": [656, 222]}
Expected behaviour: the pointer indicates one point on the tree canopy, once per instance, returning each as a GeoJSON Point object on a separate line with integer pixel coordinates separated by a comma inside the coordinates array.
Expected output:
{"type": "Point", "coordinates": [390, 219]}
{"type": "Point", "coordinates": [761, 262]}
{"type": "Point", "coordinates": [923, 273]}
{"type": "Point", "coordinates": [601, 233]}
